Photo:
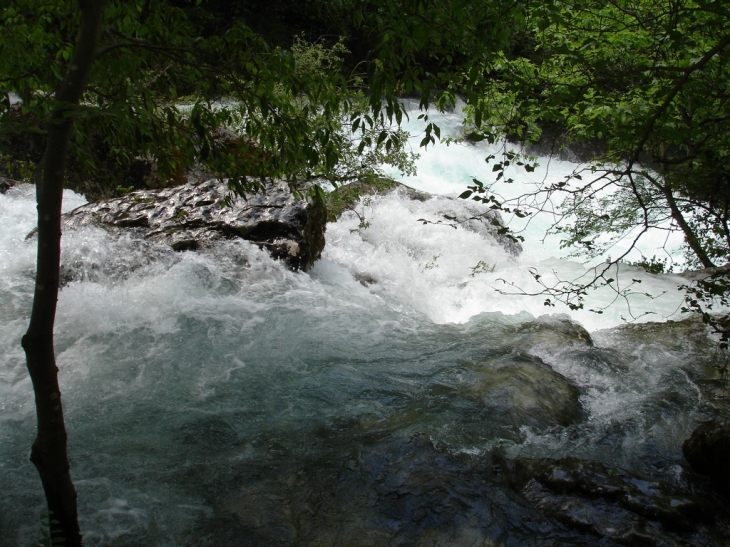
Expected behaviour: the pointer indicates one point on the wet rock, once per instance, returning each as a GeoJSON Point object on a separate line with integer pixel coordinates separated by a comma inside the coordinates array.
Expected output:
{"type": "Point", "coordinates": [520, 390]}
{"type": "Point", "coordinates": [495, 398]}
{"type": "Point", "coordinates": [365, 279]}
{"type": "Point", "coordinates": [367, 488]}
{"type": "Point", "coordinates": [690, 343]}
{"type": "Point", "coordinates": [6, 184]}
{"type": "Point", "coordinates": [346, 197]}
{"type": "Point", "coordinates": [597, 517]}
{"type": "Point", "coordinates": [195, 215]}
{"type": "Point", "coordinates": [553, 332]}
{"type": "Point", "coordinates": [382, 490]}
{"type": "Point", "coordinates": [688, 336]}
{"type": "Point", "coordinates": [468, 215]}
{"type": "Point", "coordinates": [611, 502]}
{"type": "Point", "coordinates": [708, 452]}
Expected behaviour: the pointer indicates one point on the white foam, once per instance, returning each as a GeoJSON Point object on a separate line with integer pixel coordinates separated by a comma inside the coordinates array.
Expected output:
{"type": "Point", "coordinates": [434, 268]}
{"type": "Point", "coordinates": [152, 343]}
{"type": "Point", "coordinates": [449, 168]}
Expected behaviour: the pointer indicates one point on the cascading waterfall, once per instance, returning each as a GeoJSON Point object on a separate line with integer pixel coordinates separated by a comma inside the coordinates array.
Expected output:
{"type": "Point", "coordinates": [216, 398]}
{"type": "Point", "coordinates": [449, 169]}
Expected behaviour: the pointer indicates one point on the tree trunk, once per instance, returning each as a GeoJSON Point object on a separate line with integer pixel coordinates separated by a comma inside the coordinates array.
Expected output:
{"type": "Point", "coordinates": [689, 235]}
{"type": "Point", "coordinates": [49, 453]}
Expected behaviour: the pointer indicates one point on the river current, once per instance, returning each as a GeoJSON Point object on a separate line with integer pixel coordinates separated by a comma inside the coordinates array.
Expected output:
{"type": "Point", "coordinates": [217, 398]}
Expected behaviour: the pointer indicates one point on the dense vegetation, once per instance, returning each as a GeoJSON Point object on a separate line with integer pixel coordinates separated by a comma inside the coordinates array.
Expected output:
{"type": "Point", "coordinates": [308, 90]}
{"type": "Point", "coordinates": [647, 82]}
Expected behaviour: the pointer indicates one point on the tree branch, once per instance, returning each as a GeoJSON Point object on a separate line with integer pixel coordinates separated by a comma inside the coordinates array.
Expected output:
{"type": "Point", "coordinates": [672, 94]}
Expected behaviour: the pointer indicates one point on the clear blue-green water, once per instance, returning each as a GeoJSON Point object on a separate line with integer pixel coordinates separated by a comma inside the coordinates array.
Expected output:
{"type": "Point", "coordinates": [216, 398]}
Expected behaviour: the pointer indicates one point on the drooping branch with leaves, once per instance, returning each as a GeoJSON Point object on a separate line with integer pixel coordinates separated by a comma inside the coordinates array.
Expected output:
{"type": "Point", "coordinates": [645, 84]}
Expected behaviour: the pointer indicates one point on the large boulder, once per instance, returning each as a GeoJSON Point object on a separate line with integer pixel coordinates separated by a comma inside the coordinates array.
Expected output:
{"type": "Point", "coordinates": [521, 389]}
{"type": "Point", "coordinates": [196, 214]}
{"type": "Point", "coordinates": [708, 452]}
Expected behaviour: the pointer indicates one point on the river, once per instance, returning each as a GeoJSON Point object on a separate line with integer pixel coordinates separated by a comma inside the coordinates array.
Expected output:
{"type": "Point", "coordinates": [217, 398]}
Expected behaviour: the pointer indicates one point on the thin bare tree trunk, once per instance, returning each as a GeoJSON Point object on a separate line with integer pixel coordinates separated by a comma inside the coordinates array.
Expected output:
{"type": "Point", "coordinates": [49, 453]}
{"type": "Point", "coordinates": [689, 236]}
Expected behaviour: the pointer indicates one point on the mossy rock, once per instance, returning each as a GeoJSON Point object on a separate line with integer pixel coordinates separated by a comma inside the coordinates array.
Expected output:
{"type": "Point", "coordinates": [347, 196]}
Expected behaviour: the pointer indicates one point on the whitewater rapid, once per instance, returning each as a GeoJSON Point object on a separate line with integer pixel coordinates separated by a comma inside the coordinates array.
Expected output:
{"type": "Point", "coordinates": [451, 273]}
{"type": "Point", "coordinates": [200, 385]}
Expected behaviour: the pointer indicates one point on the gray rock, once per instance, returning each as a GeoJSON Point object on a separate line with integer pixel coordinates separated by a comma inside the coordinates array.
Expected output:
{"type": "Point", "coordinates": [708, 452]}
{"type": "Point", "coordinates": [471, 216]}
{"type": "Point", "coordinates": [6, 184]}
{"type": "Point", "coordinates": [492, 398]}
{"type": "Point", "coordinates": [384, 491]}
{"type": "Point", "coordinates": [612, 503]}
{"type": "Point", "coordinates": [552, 333]}
{"type": "Point", "coordinates": [366, 487]}
{"type": "Point", "coordinates": [196, 214]}
{"type": "Point", "coordinates": [520, 390]}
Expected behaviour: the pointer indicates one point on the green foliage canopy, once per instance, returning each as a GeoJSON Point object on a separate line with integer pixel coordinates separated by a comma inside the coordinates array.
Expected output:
{"type": "Point", "coordinates": [645, 84]}
{"type": "Point", "coordinates": [160, 90]}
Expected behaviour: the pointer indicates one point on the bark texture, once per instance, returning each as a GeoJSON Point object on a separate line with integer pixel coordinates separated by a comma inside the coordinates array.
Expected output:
{"type": "Point", "coordinates": [49, 453]}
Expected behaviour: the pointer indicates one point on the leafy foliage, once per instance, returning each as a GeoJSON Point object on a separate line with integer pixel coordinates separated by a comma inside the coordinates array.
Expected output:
{"type": "Point", "coordinates": [431, 49]}
{"type": "Point", "coordinates": [645, 82]}
{"type": "Point", "coordinates": [162, 93]}
{"type": "Point", "coordinates": [49, 524]}
{"type": "Point", "coordinates": [653, 265]}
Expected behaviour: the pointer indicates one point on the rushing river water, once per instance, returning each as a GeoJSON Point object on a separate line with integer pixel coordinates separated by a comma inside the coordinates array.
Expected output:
{"type": "Point", "coordinates": [216, 398]}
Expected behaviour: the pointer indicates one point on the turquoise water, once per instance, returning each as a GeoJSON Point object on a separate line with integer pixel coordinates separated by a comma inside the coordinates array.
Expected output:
{"type": "Point", "coordinates": [216, 398]}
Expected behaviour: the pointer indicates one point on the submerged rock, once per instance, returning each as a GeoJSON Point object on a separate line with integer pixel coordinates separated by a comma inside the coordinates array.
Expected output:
{"type": "Point", "coordinates": [385, 490]}
{"type": "Point", "coordinates": [708, 452]}
{"type": "Point", "coordinates": [196, 214]}
{"type": "Point", "coordinates": [520, 390]}
{"type": "Point", "coordinates": [552, 333]}
{"type": "Point", "coordinates": [468, 215]}
{"type": "Point", "coordinates": [492, 400]}
{"type": "Point", "coordinates": [612, 503]}
{"type": "Point", "coordinates": [366, 488]}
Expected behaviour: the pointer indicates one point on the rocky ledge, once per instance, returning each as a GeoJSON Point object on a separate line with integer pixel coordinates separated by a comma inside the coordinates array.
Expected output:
{"type": "Point", "coordinates": [197, 214]}
{"type": "Point", "coordinates": [614, 504]}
